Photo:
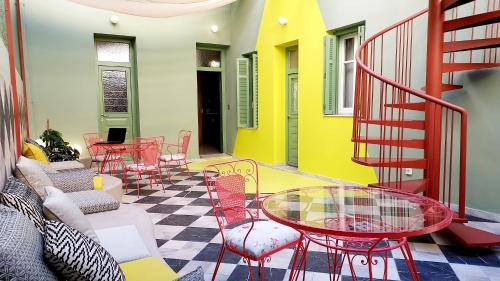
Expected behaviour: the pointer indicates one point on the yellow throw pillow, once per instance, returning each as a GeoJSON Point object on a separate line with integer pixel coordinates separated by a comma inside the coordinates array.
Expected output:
{"type": "Point", "coordinates": [147, 269]}
{"type": "Point", "coordinates": [32, 151]}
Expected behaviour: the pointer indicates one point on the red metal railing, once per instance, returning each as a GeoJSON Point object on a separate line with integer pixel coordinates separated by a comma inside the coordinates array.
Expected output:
{"type": "Point", "coordinates": [488, 31]}
{"type": "Point", "coordinates": [390, 129]}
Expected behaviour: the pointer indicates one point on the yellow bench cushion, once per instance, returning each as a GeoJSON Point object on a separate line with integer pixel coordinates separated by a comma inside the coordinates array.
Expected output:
{"type": "Point", "coordinates": [147, 269]}
{"type": "Point", "coordinates": [32, 151]}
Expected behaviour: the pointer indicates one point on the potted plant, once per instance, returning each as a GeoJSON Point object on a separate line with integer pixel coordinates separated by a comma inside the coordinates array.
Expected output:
{"type": "Point", "coordinates": [56, 148]}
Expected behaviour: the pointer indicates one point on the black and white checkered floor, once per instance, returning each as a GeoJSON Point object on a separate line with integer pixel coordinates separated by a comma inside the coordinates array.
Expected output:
{"type": "Point", "coordinates": [188, 236]}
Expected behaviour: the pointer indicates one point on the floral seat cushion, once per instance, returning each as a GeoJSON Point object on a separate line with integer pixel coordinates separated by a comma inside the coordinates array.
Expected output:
{"type": "Point", "coordinates": [172, 157]}
{"type": "Point", "coordinates": [140, 167]}
{"type": "Point", "coordinates": [265, 237]}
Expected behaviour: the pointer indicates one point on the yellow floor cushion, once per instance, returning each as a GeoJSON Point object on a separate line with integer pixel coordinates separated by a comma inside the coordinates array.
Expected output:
{"type": "Point", "coordinates": [34, 152]}
{"type": "Point", "coordinates": [147, 269]}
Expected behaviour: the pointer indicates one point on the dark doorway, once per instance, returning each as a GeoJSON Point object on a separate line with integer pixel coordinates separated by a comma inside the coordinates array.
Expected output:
{"type": "Point", "coordinates": [209, 112]}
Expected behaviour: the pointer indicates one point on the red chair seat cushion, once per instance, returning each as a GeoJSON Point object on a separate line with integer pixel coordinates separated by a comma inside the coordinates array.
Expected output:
{"type": "Point", "coordinates": [265, 237]}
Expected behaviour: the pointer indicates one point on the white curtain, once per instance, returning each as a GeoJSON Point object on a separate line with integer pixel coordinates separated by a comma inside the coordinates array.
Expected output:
{"type": "Point", "coordinates": [155, 8]}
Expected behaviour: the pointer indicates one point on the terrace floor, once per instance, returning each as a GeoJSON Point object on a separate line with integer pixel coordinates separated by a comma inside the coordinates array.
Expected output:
{"type": "Point", "coordinates": [188, 236]}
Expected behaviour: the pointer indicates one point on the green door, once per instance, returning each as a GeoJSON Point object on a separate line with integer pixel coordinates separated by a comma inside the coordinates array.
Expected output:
{"type": "Point", "coordinates": [292, 128]}
{"type": "Point", "coordinates": [115, 95]}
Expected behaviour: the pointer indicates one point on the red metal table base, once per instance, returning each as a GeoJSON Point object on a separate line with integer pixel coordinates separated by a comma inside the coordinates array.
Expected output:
{"type": "Point", "coordinates": [340, 248]}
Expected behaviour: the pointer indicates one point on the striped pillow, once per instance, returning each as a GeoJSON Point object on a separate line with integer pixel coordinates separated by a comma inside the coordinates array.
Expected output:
{"type": "Point", "coordinates": [25, 208]}
{"type": "Point", "coordinates": [76, 257]}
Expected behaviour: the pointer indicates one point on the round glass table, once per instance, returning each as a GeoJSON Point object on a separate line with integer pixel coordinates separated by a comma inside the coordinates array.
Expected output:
{"type": "Point", "coordinates": [356, 221]}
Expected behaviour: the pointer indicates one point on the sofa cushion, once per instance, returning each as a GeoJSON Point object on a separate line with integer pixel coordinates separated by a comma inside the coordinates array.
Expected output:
{"type": "Point", "coordinates": [67, 165]}
{"type": "Point", "coordinates": [47, 168]}
{"type": "Point", "coordinates": [32, 174]}
{"type": "Point", "coordinates": [58, 206]}
{"type": "Point", "coordinates": [264, 237]}
{"type": "Point", "coordinates": [112, 186]}
{"type": "Point", "coordinates": [93, 201]}
{"type": "Point", "coordinates": [73, 181]}
{"type": "Point", "coordinates": [25, 208]}
{"type": "Point", "coordinates": [113, 240]}
{"type": "Point", "coordinates": [34, 152]}
{"type": "Point", "coordinates": [147, 269]}
{"type": "Point", "coordinates": [76, 257]}
{"type": "Point", "coordinates": [17, 187]}
{"type": "Point", "coordinates": [21, 249]}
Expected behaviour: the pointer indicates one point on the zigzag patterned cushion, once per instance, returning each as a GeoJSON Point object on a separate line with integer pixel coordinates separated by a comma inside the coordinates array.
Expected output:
{"type": "Point", "coordinates": [76, 257]}
{"type": "Point", "coordinates": [21, 249]}
{"type": "Point", "coordinates": [75, 180]}
{"type": "Point", "coordinates": [93, 201]}
{"type": "Point", "coordinates": [25, 208]}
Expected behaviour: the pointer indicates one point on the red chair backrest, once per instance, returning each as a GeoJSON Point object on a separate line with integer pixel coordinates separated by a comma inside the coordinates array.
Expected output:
{"type": "Point", "coordinates": [91, 139]}
{"type": "Point", "coordinates": [147, 150]}
{"type": "Point", "coordinates": [232, 197]}
{"type": "Point", "coordinates": [159, 139]}
{"type": "Point", "coordinates": [232, 181]}
{"type": "Point", "coordinates": [183, 141]}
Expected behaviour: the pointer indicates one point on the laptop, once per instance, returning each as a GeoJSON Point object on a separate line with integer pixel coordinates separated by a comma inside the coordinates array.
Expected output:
{"type": "Point", "coordinates": [115, 136]}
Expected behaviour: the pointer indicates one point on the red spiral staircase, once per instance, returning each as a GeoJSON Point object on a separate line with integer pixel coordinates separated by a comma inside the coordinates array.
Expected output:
{"type": "Point", "coordinates": [400, 118]}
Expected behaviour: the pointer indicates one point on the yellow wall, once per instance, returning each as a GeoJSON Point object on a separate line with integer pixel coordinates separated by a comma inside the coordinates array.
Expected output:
{"type": "Point", "coordinates": [325, 146]}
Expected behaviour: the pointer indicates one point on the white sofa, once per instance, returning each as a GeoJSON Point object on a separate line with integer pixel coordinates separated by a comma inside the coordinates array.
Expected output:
{"type": "Point", "coordinates": [125, 215]}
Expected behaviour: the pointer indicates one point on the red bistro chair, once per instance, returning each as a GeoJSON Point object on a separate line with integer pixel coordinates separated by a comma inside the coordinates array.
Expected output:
{"type": "Point", "coordinates": [100, 155]}
{"type": "Point", "coordinates": [161, 141]}
{"type": "Point", "coordinates": [177, 153]}
{"type": "Point", "coordinates": [145, 153]}
{"type": "Point", "coordinates": [242, 231]}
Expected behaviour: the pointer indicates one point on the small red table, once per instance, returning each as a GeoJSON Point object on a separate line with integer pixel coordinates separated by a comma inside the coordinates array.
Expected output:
{"type": "Point", "coordinates": [113, 154]}
{"type": "Point", "coordinates": [355, 221]}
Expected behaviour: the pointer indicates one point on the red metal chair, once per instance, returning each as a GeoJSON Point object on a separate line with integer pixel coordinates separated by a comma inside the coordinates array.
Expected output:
{"type": "Point", "coordinates": [98, 154]}
{"type": "Point", "coordinates": [145, 153]}
{"type": "Point", "coordinates": [177, 153]}
{"type": "Point", "coordinates": [242, 231]}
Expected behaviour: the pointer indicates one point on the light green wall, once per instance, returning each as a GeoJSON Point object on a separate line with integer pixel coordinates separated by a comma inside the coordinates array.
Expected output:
{"type": "Point", "coordinates": [378, 14]}
{"type": "Point", "coordinates": [245, 21]}
{"type": "Point", "coordinates": [480, 97]}
{"type": "Point", "coordinates": [62, 75]}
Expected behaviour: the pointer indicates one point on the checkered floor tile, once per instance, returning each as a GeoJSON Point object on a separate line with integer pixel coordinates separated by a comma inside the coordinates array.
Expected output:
{"type": "Point", "coordinates": [188, 236]}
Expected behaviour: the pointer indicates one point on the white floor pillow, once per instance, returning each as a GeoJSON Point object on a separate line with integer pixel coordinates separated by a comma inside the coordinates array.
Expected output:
{"type": "Point", "coordinates": [124, 243]}
{"type": "Point", "coordinates": [58, 206]}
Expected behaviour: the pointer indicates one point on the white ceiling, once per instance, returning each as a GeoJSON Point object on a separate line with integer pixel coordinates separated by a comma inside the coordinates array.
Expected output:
{"type": "Point", "coordinates": [155, 8]}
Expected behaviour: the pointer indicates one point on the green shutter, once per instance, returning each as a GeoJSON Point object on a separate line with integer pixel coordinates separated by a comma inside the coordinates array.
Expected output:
{"type": "Point", "coordinates": [243, 92]}
{"type": "Point", "coordinates": [330, 76]}
{"type": "Point", "coordinates": [361, 34]}
{"type": "Point", "coordinates": [255, 90]}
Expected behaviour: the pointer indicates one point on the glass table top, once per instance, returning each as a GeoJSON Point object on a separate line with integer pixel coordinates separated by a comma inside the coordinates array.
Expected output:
{"type": "Point", "coordinates": [357, 211]}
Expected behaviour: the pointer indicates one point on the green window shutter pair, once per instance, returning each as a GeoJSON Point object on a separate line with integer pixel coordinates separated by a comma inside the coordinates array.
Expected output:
{"type": "Point", "coordinates": [330, 88]}
{"type": "Point", "coordinates": [247, 92]}
{"type": "Point", "coordinates": [330, 76]}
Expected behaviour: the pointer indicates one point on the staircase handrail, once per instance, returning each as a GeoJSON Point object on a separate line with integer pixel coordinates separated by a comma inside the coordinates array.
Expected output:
{"type": "Point", "coordinates": [416, 92]}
